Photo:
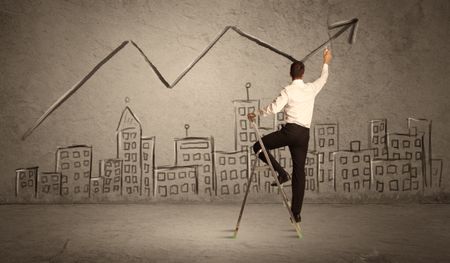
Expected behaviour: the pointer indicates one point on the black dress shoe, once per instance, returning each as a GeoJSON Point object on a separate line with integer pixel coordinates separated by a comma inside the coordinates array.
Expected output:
{"type": "Point", "coordinates": [281, 179]}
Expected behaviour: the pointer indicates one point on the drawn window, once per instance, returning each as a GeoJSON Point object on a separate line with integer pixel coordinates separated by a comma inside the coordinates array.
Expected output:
{"type": "Point", "coordinates": [418, 155]}
{"type": "Point", "coordinates": [241, 111]}
{"type": "Point", "coordinates": [126, 145]}
{"type": "Point", "coordinates": [118, 171]}
{"type": "Point", "coordinates": [186, 157]}
{"type": "Point", "coordinates": [343, 159]}
{"type": "Point", "coordinates": [355, 172]}
{"type": "Point", "coordinates": [251, 109]}
{"type": "Point", "coordinates": [65, 166]}
{"type": "Point", "coordinates": [321, 157]}
{"type": "Point", "coordinates": [76, 154]}
{"type": "Point", "coordinates": [346, 187]}
{"type": "Point", "coordinates": [162, 190]}
{"type": "Point", "coordinates": [366, 158]}
{"type": "Point", "coordinates": [243, 136]}
{"type": "Point", "coordinates": [64, 154]}
{"type": "Point", "coordinates": [236, 189]}
{"type": "Point", "coordinates": [356, 185]}
{"type": "Point", "coordinates": [243, 174]}
{"type": "Point", "coordinates": [127, 168]}
{"type": "Point", "coordinates": [233, 175]}
{"type": "Point", "coordinates": [207, 156]}
{"type": "Point", "coordinates": [394, 143]}
{"type": "Point", "coordinates": [86, 153]}
{"type": "Point", "coordinates": [125, 135]}
{"type": "Point", "coordinates": [185, 188]}
{"type": "Point", "coordinates": [393, 185]}
{"type": "Point", "coordinates": [133, 145]}
{"type": "Point", "coordinates": [44, 179]}
{"type": "Point", "coordinates": [321, 142]}
{"type": "Point", "coordinates": [321, 131]}
{"type": "Point", "coordinates": [408, 155]}
{"type": "Point", "coordinates": [77, 189]}
{"type": "Point", "coordinates": [86, 174]}
{"type": "Point", "coordinates": [392, 169]}
{"type": "Point", "coordinates": [133, 135]}
{"type": "Point", "coordinates": [231, 160]}
{"type": "Point", "coordinates": [405, 168]}
{"type": "Point", "coordinates": [331, 156]}
{"type": "Point", "coordinates": [396, 156]}
{"type": "Point", "coordinates": [145, 156]}
{"type": "Point", "coordinates": [330, 142]}
{"type": "Point", "coordinates": [311, 172]}
{"type": "Point", "coordinates": [117, 179]}
{"type": "Point", "coordinates": [77, 164]}
{"type": "Point", "coordinates": [375, 139]}
{"type": "Point", "coordinates": [382, 126]}
{"type": "Point", "coordinates": [222, 160]}
{"type": "Point", "coordinates": [243, 124]}
{"type": "Point", "coordinates": [135, 179]}
{"type": "Point", "coordinates": [223, 176]}
{"type": "Point", "coordinates": [418, 143]}
{"type": "Point", "coordinates": [191, 174]}
{"type": "Point", "coordinates": [86, 162]}
{"type": "Point", "coordinates": [379, 170]}
{"type": "Point", "coordinates": [133, 168]}
{"type": "Point", "coordinates": [252, 137]}
{"type": "Point", "coordinates": [197, 156]}
{"type": "Point", "coordinates": [127, 157]}
{"type": "Point", "coordinates": [55, 178]}
{"type": "Point", "coordinates": [356, 159]}
{"type": "Point", "coordinates": [128, 179]}
{"type": "Point", "coordinates": [344, 173]}
{"type": "Point", "coordinates": [383, 139]}
{"type": "Point", "coordinates": [330, 130]}
{"type": "Point", "coordinates": [406, 144]}
{"type": "Point", "coordinates": [174, 189]}
{"type": "Point", "coordinates": [206, 168]}
{"type": "Point", "coordinates": [146, 145]}
{"type": "Point", "coordinates": [366, 171]}
{"type": "Point", "coordinates": [312, 161]}
{"type": "Point", "coordinates": [413, 172]}
{"type": "Point", "coordinates": [375, 129]}
{"type": "Point", "coordinates": [134, 157]}
{"type": "Point", "coordinates": [207, 180]}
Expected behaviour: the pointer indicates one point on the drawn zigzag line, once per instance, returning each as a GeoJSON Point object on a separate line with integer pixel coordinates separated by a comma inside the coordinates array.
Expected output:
{"type": "Point", "coordinates": [346, 25]}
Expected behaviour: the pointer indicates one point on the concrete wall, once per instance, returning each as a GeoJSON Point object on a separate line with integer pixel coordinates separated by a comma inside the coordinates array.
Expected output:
{"type": "Point", "coordinates": [396, 69]}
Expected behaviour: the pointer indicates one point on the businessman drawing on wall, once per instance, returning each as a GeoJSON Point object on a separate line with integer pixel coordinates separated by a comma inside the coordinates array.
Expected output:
{"type": "Point", "coordinates": [297, 102]}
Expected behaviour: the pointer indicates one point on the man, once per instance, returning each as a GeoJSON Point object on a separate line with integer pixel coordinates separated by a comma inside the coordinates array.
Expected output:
{"type": "Point", "coordinates": [297, 99]}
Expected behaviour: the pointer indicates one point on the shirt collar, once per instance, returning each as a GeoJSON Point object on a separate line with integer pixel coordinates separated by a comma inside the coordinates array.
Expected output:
{"type": "Point", "coordinates": [297, 81]}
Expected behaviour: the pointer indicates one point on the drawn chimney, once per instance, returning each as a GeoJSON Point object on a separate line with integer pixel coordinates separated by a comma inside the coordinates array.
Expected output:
{"type": "Point", "coordinates": [186, 126]}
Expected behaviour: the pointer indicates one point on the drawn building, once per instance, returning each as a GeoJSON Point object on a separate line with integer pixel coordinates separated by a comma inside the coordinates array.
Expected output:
{"type": "Point", "coordinates": [26, 183]}
{"type": "Point", "coordinates": [326, 142]}
{"type": "Point", "coordinates": [97, 187]}
{"type": "Point", "coordinates": [377, 138]}
{"type": "Point", "coordinates": [394, 177]}
{"type": "Point", "coordinates": [49, 186]}
{"type": "Point", "coordinates": [352, 169]}
{"type": "Point", "coordinates": [197, 151]}
{"type": "Point", "coordinates": [244, 135]}
{"type": "Point", "coordinates": [312, 166]}
{"type": "Point", "coordinates": [75, 165]}
{"type": "Point", "coordinates": [111, 172]}
{"type": "Point", "coordinates": [423, 126]}
{"type": "Point", "coordinates": [148, 165]}
{"type": "Point", "coordinates": [129, 134]}
{"type": "Point", "coordinates": [408, 147]}
{"type": "Point", "coordinates": [176, 182]}
{"type": "Point", "coordinates": [436, 173]}
{"type": "Point", "coordinates": [231, 170]}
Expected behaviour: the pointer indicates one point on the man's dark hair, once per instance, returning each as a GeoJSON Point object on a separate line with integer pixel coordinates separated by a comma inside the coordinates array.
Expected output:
{"type": "Point", "coordinates": [297, 70]}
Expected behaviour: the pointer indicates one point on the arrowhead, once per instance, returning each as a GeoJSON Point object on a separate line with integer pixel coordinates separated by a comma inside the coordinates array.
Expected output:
{"type": "Point", "coordinates": [352, 24]}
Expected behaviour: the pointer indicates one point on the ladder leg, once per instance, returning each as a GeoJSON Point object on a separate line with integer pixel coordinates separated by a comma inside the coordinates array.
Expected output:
{"type": "Point", "coordinates": [285, 199]}
{"type": "Point", "coordinates": [249, 182]}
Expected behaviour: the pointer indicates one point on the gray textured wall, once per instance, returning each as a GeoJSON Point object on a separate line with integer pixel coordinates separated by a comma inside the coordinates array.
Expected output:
{"type": "Point", "coordinates": [398, 68]}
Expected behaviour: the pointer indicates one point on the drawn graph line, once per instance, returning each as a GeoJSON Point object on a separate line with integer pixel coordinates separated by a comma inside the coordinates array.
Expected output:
{"type": "Point", "coordinates": [350, 24]}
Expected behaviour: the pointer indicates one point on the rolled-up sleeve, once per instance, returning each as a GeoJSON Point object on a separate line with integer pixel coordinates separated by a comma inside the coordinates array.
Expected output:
{"type": "Point", "coordinates": [320, 82]}
{"type": "Point", "coordinates": [276, 106]}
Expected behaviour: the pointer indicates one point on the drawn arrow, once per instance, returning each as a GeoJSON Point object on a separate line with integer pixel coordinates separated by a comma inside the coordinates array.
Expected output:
{"type": "Point", "coordinates": [350, 24]}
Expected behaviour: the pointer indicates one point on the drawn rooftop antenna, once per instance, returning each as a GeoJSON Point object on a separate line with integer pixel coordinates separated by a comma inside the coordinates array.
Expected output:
{"type": "Point", "coordinates": [187, 126]}
{"type": "Point", "coordinates": [349, 24]}
{"type": "Point", "coordinates": [248, 85]}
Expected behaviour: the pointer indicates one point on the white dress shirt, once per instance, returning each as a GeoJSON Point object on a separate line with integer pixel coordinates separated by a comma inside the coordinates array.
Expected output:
{"type": "Point", "coordinates": [297, 99]}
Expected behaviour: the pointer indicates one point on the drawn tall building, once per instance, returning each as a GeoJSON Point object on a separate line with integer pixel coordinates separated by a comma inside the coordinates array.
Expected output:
{"type": "Point", "coordinates": [49, 186]}
{"type": "Point", "coordinates": [352, 169]}
{"type": "Point", "coordinates": [148, 165]}
{"type": "Point", "coordinates": [232, 171]}
{"type": "Point", "coordinates": [408, 147]}
{"type": "Point", "coordinates": [111, 170]}
{"type": "Point", "coordinates": [75, 165]}
{"type": "Point", "coordinates": [326, 141]}
{"type": "Point", "coordinates": [423, 126]}
{"type": "Point", "coordinates": [176, 182]}
{"type": "Point", "coordinates": [198, 151]}
{"type": "Point", "coordinates": [245, 137]}
{"type": "Point", "coordinates": [129, 134]}
{"type": "Point", "coordinates": [377, 138]}
{"type": "Point", "coordinates": [26, 183]}
{"type": "Point", "coordinates": [312, 166]}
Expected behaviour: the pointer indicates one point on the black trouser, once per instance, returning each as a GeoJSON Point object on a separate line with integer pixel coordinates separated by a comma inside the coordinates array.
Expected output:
{"type": "Point", "coordinates": [297, 138]}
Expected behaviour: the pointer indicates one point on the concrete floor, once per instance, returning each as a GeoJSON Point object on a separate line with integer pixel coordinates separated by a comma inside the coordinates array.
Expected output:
{"type": "Point", "coordinates": [201, 233]}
